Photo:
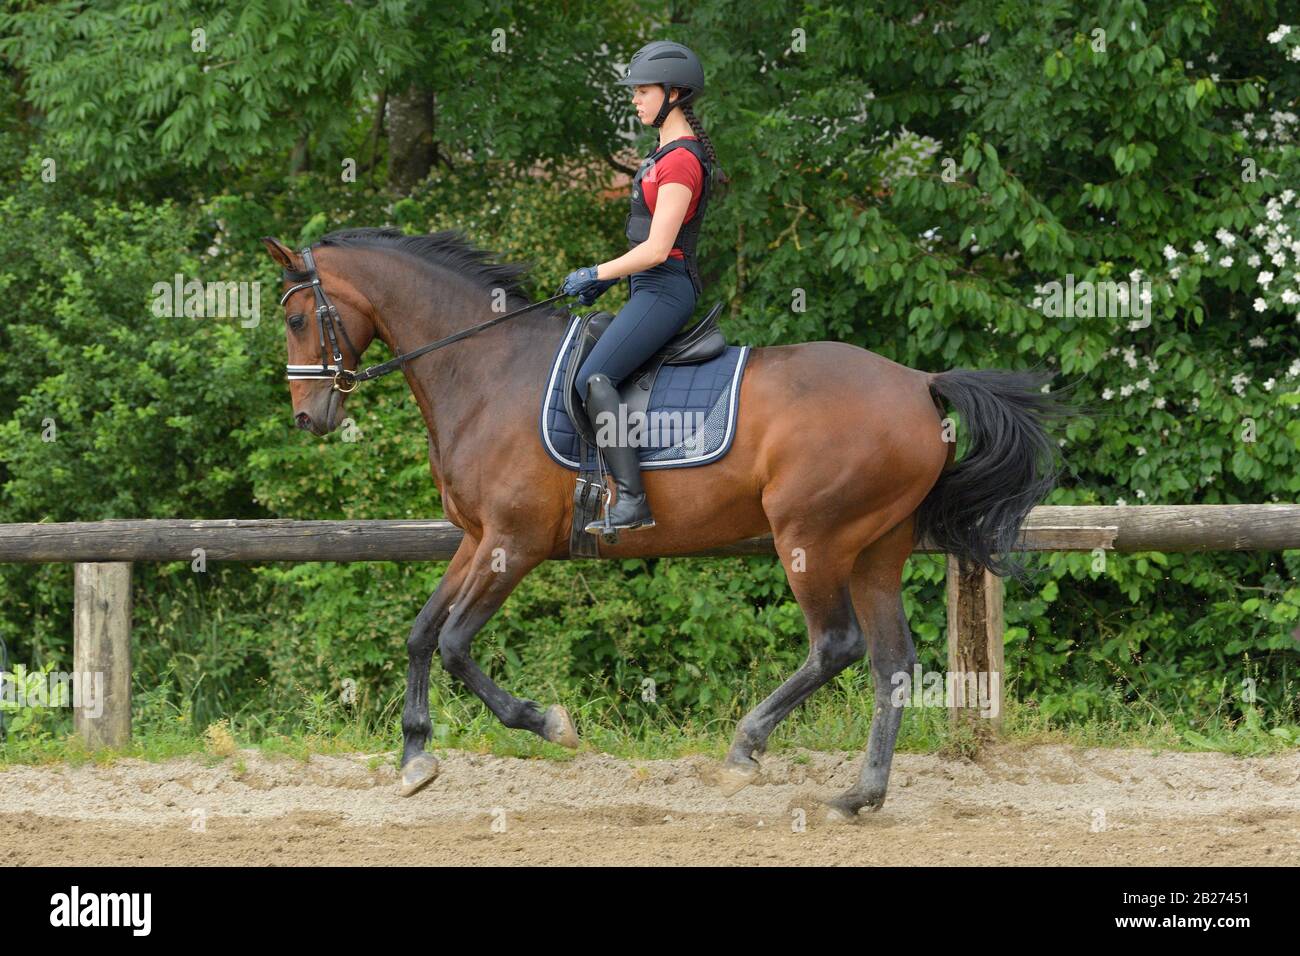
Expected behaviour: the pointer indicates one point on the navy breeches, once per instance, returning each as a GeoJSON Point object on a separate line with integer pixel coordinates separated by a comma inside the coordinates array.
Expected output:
{"type": "Point", "coordinates": [662, 300]}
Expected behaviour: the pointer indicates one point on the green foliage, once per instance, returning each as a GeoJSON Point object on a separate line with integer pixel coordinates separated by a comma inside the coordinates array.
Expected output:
{"type": "Point", "coordinates": [909, 180]}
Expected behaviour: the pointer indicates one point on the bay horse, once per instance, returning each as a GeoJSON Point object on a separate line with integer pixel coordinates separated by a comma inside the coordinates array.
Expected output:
{"type": "Point", "coordinates": [843, 455]}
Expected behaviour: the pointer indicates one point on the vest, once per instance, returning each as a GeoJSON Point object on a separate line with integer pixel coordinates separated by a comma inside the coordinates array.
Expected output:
{"type": "Point", "coordinates": [638, 220]}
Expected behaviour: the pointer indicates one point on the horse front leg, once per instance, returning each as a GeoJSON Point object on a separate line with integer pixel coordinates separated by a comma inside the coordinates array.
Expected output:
{"type": "Point", "coordinates": [497, 566]}
{"type": "Point", "coordinates": [419, 767]}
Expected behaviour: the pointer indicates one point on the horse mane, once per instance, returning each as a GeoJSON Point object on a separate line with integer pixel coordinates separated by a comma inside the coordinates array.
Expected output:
{"type": "Point", "coordinates": [450, 249]}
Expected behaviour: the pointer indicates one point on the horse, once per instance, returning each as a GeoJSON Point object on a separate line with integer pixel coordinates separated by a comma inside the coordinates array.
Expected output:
{"type": "Point", "coordinates": [845, 457]}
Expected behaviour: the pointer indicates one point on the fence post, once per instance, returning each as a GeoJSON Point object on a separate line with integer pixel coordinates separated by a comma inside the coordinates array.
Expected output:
{"type": "Point", "coordinates": [101, 652]}
{"type": "Point", "coordinates": [975, 634]}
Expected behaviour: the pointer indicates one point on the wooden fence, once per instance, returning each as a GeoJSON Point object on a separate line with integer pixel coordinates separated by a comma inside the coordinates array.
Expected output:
{"type": "Point", "coordinates": [103, 552]}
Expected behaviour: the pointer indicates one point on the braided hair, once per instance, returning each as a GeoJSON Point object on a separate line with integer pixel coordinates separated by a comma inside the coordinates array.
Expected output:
{"type": "Point", "coordinates": [697, 128]}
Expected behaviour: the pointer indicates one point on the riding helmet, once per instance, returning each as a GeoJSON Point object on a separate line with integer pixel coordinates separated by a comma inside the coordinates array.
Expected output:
{"type": "Point", "coordinates": [667, 64]}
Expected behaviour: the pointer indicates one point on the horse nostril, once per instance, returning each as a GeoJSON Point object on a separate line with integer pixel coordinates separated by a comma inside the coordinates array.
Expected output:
{"type": "Point", "coordinates": [303, 420]}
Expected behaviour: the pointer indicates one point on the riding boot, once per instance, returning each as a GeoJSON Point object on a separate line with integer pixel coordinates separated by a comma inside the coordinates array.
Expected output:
{"type": "Point", "coordinates": [630, 509]}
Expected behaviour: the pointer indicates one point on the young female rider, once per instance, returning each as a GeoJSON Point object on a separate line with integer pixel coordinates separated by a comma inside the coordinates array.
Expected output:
{"type": "Point", "coordinates": [669, 194]}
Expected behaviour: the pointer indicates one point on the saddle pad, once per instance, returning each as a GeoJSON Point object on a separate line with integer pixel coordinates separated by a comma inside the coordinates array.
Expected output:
{"type": "Point", "coordinates": [695, 403]}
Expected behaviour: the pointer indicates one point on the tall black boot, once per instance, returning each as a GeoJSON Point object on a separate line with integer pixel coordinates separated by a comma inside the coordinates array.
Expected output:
{"type": "Point", "coordinates": [630, 509]}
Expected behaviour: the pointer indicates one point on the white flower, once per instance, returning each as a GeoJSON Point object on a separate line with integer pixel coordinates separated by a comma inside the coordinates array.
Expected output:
{"type": "Point", "coordinates": [1170, 253]}
{"type": "Point", "coordinates": [1239, 383]}
{"type": "Point", "coordinates": [1140, 492]}
{"type": "Point", "coordinates": [1158, 401]}
{"type": "Point", "coordinates": [1253, 261]}
{"type": "Point", "coordinates": [1226, 262]}
{"type": "Point", "coordinates": [1287, 196]}
{"type": "Point", "coordinates": [1199, 247]}
{"type": "Point", "coordinates": [1143, 385]}
{"type": "Point", "coordinates": [1290, 297]}
{"type": "Point", "coordinates": [1264, 278]}
{"type": "Point", "coordinates": [1258, 341]}
{"type": "Point", "coordinates": [1279, 259]}
{"type": "Point", "coordinates": [1225, 237]}
{"type": "Point", "coordinates": [1175, 272]}
{"type": "Point", "coordinates": [1109, 393]}
{"type": "Point", "coordinates": [1260, 305]}
{"type": "Point", "coordinates": [1125, 391]}
{"type": "Point", "coordinates": [1277, 35]}
{"type": "Point", "coordinates": [1268, 385]}
{"type": "Point", "coordinates": [1294, 369]}
{"type": "Point", "coordinates": [1121, 502]}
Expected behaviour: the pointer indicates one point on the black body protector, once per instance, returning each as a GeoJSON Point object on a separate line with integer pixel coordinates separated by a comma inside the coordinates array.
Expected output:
{"type": "Point", "coordinates": [638, 220]}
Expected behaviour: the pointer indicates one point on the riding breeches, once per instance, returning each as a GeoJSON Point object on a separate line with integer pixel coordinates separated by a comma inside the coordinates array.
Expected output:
{"type": "Point", "coordinates": [662, 300]}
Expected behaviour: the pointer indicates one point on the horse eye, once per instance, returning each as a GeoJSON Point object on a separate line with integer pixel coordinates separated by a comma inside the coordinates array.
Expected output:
{"type": "Point", "coordinates": [297, 321]}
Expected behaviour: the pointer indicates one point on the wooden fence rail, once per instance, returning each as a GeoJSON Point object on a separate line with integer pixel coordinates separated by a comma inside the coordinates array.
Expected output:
{"type": "Point", "coordinates": [103, 552]}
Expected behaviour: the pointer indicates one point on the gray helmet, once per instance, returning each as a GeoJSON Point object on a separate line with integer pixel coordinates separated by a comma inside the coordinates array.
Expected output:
{"type": "Point", "coordinates": [667, 64]}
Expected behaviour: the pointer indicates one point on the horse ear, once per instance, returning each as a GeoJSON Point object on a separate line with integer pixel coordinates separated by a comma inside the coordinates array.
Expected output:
{"type": "Point", "coordinates": [279, 252]}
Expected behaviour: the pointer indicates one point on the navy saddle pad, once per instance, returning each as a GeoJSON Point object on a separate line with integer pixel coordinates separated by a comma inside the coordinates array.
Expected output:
{"type": "Point", "coordinates": [691, 418]}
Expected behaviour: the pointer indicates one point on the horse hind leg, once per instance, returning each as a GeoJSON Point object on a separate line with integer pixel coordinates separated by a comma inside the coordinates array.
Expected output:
{"type": "Point", "coordinates": [876, 587]}
{"type": "Point", "coordinates": [821, 586]}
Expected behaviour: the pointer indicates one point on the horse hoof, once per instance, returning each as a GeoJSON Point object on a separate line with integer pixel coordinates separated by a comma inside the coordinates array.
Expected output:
{"type": "Point", "coordinates": [558, 728]}
{"type": "Point", "coordinates": [734, 777]}
{"type": "Point", "coordinates": [840, 815]}
{"type": "Point", "coordinates": [419, 771]}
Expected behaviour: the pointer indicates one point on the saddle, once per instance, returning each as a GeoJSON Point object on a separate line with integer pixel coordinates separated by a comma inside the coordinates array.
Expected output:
{"type": "Point", "coordinates": [701, 342]}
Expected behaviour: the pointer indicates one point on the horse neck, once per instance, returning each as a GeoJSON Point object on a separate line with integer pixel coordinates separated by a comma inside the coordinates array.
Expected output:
{"type": "Point", "coordinates": [492, 375]}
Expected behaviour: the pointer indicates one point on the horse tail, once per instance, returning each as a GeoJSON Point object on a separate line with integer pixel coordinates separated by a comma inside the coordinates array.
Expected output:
{"type": "Point", "coordinates": [1011, 463]}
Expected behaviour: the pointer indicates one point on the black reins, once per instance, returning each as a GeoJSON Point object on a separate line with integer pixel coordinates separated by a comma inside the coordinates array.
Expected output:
{"type": "Point", "coordinates": [331, 325]}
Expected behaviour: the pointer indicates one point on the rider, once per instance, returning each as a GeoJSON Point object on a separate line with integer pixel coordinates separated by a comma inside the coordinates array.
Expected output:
{"type": "Point", "coordinates": [670, 193]}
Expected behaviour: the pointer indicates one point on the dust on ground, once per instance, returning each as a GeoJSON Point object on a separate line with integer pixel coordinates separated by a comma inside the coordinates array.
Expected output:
{"type": "Point", "coordinates": [1036, 805]}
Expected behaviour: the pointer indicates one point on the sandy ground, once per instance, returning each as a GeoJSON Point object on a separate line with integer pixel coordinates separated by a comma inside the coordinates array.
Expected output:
{"type": "Point", "coordinates": [1039, 805]}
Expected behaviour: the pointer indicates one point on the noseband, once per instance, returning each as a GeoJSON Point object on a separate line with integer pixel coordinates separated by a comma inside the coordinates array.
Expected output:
{"type": "Point", "coordinates": [328, 323]}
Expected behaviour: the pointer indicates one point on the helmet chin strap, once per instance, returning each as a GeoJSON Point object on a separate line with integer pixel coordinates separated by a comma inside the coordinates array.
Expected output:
{"type": "Point", "coordinates": [668, 107]}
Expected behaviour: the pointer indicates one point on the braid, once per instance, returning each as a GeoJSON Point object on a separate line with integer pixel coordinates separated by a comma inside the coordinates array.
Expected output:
{"type": "Point", "coordinates": [698, 129]}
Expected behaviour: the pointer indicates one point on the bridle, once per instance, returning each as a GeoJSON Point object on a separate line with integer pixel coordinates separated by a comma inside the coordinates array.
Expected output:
{"type": "Point", "coordinates": [330, 325]}
{"type": "Point", "coordinates": [327, 322]}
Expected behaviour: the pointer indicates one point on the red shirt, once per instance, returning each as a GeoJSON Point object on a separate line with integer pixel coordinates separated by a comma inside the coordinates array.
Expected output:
{"type": "Point", "coordinates": [679, 166]}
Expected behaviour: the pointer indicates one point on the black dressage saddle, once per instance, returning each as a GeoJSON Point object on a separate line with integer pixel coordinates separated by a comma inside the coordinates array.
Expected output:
{"type": "Point", "coordinates": [699, 343]}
